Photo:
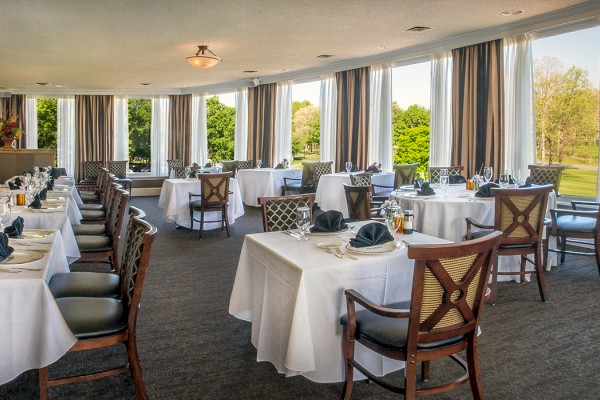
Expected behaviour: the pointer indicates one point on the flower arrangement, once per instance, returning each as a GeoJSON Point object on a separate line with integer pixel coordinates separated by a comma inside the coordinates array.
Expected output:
{"type": "Point", "coordinates": [9, 128]}
{"type": "Point", "coordinates": [283, 165]}
{"type": "Point", "coordinates": [375, 167]}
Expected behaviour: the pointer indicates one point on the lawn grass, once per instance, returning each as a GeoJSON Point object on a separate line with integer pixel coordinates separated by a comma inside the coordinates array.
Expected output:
{"type": "Point", "coordinates": [578, 182]}
{"type": "Point", "coordinates": [297, 162]}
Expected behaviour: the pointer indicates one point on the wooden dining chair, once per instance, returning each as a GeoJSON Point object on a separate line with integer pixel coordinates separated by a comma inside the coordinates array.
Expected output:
{"type": "Point", "coordinates": [245, 164]}
{"type": "Point", "coordinates": [119, 170]}
{"type": "Point", "coordinates": [172, 164]}
{"type": "Point", "coordinates": [440, 320]}
{"type": "Point", "coordinates": [519, 214]}
{"type": "Point", "coordinates": [99, 322]}
{"type": "Point", "coordinates": [404, 174]}
{"type": "Point", "coordinates": [279, 212]}
{"type": "Point", "coordinates": [358, 199]}
{"type": "Point", "coordinates": [546, 175]}
{"type": "Point", "coordinates": [91, 170]}
{"type": "Point", "coordinates": [435, 172]}
{"type": "Point", "coordinates": [229, 165]}
{"type": "Point", "coordinates": [311, 174]}
{"type": "Point", "coordinates": [361, 179]}
{"type": "Point", "coordinates": [213, 196]}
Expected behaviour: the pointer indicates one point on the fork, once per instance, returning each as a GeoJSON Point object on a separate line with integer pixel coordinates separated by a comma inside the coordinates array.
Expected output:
{"type": "Point", "coordinates": [341, 252]}
{"type": "Point", "coordinates": [328, 250]}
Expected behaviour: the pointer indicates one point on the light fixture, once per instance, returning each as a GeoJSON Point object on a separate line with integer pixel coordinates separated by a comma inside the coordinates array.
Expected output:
{"type": "Point", "coordinates": [202, 60]}
{"type": "Point", "coordinates": [511, 13]}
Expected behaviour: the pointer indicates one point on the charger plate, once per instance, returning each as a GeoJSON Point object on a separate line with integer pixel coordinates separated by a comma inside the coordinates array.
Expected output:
{"type": "Point", "coordinates": [378, 249]}
{"type": "Point", "coordinates": [19, 257]}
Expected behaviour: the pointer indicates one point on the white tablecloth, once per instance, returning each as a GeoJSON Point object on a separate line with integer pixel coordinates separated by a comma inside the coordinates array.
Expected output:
{"type": "Point", "coordinates": [259, 182]}
{"type": "Point", "coordinates": [33, 333]}
{"type": "Point", "coordinates": [174, 199]}
{"type": "Point", "coordinates": [40, 219]}
{"type": "Point", "coordinates": [293, 293]}
{"type": "Point", "coordinates": [330, 192]}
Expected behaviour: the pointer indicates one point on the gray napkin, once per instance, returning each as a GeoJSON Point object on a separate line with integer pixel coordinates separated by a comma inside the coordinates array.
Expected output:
{"type": "Point", "coordinates": [36, 203]}
{"type": "Point", "coordinates": [329, 221]}
{"type": "Point", "coordinates": [5, 249]}
{"type": "Point", "coordinates": [486, 190]}
{"type": "Point", "coordinates": [16, 229]}
{"type": "Point", "coordinates": [371, 234]}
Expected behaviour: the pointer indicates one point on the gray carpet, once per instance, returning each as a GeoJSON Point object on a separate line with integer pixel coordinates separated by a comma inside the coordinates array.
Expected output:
{"type": "Point", "coordinates": [191, 348]}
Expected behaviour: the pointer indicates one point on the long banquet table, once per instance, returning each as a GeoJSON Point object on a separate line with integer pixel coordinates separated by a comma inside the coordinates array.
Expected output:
{"type": "Point", "coordinates": [33, 333]}
{"type": "Point", "coordinates": [330, 191]}
{"type": "Point", "coordinates": [174, 199]}
{"type": "Point", "coordinates": [292, 292]}
{"type": "Point", "coordinates": [259, 182]}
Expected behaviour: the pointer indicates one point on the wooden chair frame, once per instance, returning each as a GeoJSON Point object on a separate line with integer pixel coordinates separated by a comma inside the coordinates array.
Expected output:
{"type": "Point", "coordinates": [440, 309]}
{"type": "Point", "coordinates": [299, 200]}
{"type": "Point", "coordinates": [358, 199]}
{"type": "Point", "coordinates": [214, 196]}
{"type": "Point", "coordinates": [546, 175]}
{"type": "Point", "coordinates": [435, 172]}
{"type": "Point", "coordinates": [310, 177]}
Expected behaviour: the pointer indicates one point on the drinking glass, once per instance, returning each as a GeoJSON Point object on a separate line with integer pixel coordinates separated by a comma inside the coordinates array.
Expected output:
{"type": "Point", "coordinates": [5, 213]}
{"type": "Point", "coordinates": [302, 221]}
{"type": "Point", "coordinates": [188, 171]}
{"type": "Point", "coordinates": [420, 178]}
{"type": "Point", "coordinates": [487, 174]}
{"type": "Point", "coordinates": [444, 184]}
{"type": "Point", "coordinates": [503, 180]}
{"type": "Point", "coordinates": [258, 163]}
{"type": "Point", "coordinates": [517, 178]}
{"type": "Point", "coordinates": [348, 166]}
{"type": "Point", "coordinates": [393, 219]}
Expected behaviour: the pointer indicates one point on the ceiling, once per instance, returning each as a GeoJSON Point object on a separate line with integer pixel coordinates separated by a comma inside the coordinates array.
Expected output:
{"type": "Point", "coordinates": [114, 45]}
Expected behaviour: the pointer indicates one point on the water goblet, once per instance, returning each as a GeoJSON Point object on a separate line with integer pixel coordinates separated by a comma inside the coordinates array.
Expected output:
{"type": "Point", "coordinates": [517, 178]}
{"type": "Point", "coordinates": [420, 178]}
{"type": "Point", "coordinates": [487, 174]}
{"type": "Point", "coordinates": [302, 221]}
{"type": "Point", "coordinates": [258, 163]}
{"type": "Point", "coordinates": [348, 166]}
{"type": "Point", "coordinates": [5, 213]}
{"type": "Point", "coordinates": [444, 184]}
{"type": "Point", "coordinates": [503, 180]}
{"type": "Point", "coordinates": [393, 219]}
{"type": "Point", "coordinates": [188, 171]}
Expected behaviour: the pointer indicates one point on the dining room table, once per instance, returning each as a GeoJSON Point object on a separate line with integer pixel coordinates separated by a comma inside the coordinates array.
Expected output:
{"type": "Point", "coordinates": [292, 291]}
{"type": "Point", "coordinates": [330, 191]}
{"type": "Point", "coordinates": [260, 182]}
{"type": "Point", "coordinates": [174, 200]}
{"type": "Point", "coordinates": [33, 333]}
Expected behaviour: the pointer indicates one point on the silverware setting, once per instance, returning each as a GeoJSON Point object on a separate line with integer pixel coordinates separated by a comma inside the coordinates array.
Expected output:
{"type": "Point", "coordinates": [296, 235]}
{"type": "Point", "coordinates": [328, 250]}
{"type": "Point", "coordinates": [343, 253]}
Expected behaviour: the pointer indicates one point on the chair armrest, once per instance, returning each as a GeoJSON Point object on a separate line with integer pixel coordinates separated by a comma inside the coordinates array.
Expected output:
{"type": "Point", "coordinates": [586, 204]}
{"type": "Point", "coordinates": [285, 180]}
{"type": "Point", "coordinates": [353, 296]}
{"type": "Point", "coordinates": [472, 223]}
{"type": "Point", "coordinates": [382, 186]}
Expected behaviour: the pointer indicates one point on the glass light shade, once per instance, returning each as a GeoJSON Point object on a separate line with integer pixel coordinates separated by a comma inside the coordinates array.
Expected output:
{"type": "Point", "coordinates": [203, 61]}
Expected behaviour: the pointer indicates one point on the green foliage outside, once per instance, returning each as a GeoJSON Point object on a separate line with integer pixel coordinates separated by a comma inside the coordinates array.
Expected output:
{"type": "Point", "coordinates": [47, 124]}
{"type": "Point", "coordinates": [410, 140]}
{"type": "Point", "coordinates": [306, 129]}
{"type": "Point", "coordinates": [220, 125]}
{"type": "Point", "coordinates": [140, 122]}
{"type": "Point", "coordinates": [578, 182]}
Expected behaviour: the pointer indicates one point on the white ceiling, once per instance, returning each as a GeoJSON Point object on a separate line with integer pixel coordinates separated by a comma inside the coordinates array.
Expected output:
{"type": "Point", "coordinates": [113, 45]}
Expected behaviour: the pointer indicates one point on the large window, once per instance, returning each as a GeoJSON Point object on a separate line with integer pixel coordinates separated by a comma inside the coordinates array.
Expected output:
{"type": "Point", "coordinates": [140, 121]}
{"type": "Point", "coordinates": [220, 126]}
{"type": "Point", "coordinates": [566, 104]}
{"type": "Point", "coordinates": [410, 114]}
{"type": "Point", "coordinates": [306, 130]}
{"type": "Point", "coordinates": [47, 124]}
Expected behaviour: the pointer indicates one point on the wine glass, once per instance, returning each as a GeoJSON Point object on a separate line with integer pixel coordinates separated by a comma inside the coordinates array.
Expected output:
{"type": "Point", "coordinates": [487, 174]}
{"type": "Point", "coordinates": [258, 163]}
{"type": "Point", "coordinates": [188, 171]}
{"type": "Point", "coordinates": [503, 180]}
{"type": "Point", "coordinates": [420, 178]}
{"type": "Point", "coordinates": [444, 184]}
{"type": "Point", "coordinates": [393, 218]}
{"type": "Point", "coordinates": [302, 221]}
{"type": "Point", "coordinates": [517, 178]}
{"type": "Point", "coordinates": [348, 166]}
{"type": "Point", "coordinates": [5, 213]}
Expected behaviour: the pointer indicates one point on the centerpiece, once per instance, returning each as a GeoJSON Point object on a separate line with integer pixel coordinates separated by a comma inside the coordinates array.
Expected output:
{"type": "Point", "coordinates": [10, 131]}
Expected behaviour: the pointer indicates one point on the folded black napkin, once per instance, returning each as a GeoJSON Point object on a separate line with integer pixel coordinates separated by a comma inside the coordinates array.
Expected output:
{"type": "Point", "coordinates": [329, 221]}
{"type": "Point", "coordinates": [13, 186]}
{"type": "Point", "coordinates": [455, 179]}
{"type": "Point", "coordinates": [50, 184]}
{"type": "Point", "coordinates": [18, 182]}
{"type": "Point", "coordinates": [5, 249]}
{"type": "Point", "coordinates": [43, 193]}
{"type": "Point", "coordinates": [16, 229]}
{"type": "Point", "coordinates": [486, 190]}
{"type": "Point", "coordinates": [371, 234]}
{"type": "Point", "coordinates": [426, 190]}
{"type": "Point", "coordinates": [36, 203]}
{"type": "Point", "coordinates": [527, 183]}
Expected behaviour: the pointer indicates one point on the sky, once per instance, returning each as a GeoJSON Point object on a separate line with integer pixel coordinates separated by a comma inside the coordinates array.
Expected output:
{"type": "Point", "coordinates": [411, 83]}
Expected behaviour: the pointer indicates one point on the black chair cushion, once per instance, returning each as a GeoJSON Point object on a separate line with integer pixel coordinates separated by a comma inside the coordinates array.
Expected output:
{"type": "Point", "coordinates": [88, 206]}
{"type": "Point", "coordinates": [84, 284]}
{"type": "Point", "coordinates": [481, 233]}
{"type": "Point", "coordinates": [92, 215]}
{"type": "Point", "coordinates": [293, 184]}
{"type": "Point", "coordinates": [89, 229]}
{"type": "Point", "coordinates": [390, 333]}
{"type": "Point", "coordinates": [93, 243]}
{"type": "Point", "coordinates": [92, 317]}
{"type": "Point", "coordinates": [575, 224]}
{"type": "Point", "coordinates": [196, 205]}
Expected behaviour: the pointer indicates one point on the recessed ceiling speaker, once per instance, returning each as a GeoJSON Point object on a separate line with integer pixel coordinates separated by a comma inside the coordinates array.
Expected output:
{"type": "Point", "coordinates": [4, 94]}
{"type": "Point", "coordinates": [254, 82]}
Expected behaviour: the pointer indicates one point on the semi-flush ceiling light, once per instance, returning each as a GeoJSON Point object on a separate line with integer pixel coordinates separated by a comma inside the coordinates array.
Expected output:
{"type": "Point", "coordinates": [202, 60]}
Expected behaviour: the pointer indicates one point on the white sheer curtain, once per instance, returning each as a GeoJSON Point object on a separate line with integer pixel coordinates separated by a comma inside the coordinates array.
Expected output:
{"type": "Point", "coordinates": [159, 135]}
{"type": "Point", "coordinates": [328, 117]}
{"type": "Point", "coordinates": [380, 116]}
{"type": "Point", "coordinates": [519, 112]}
{"type": "Point", "coordinates": [65, 143]}
{"type": "Point", "coordinates": [241, 125]}
{"type": "Point", "coordinates": [440, 138]}
{"type": "Point", "coordinates": [31, 121]}
{"type": "Point", "coordinates": [283, 122]}
{"type": "Point", "coordinates": [121, 141]}
{"type": "Point", "coordinates": [199, 133]}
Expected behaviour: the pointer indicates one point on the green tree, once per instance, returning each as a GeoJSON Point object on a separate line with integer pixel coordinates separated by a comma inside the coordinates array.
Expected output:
{"type": "Point", "coordinates": [47, 125]}
{"type": "Point", "coordinates": [140, 122]}
{"type": "Point", "coordinates": [410, 139]}
{"type": "Point", "coordinates": [306, 131]}
{"type": "Point", "coordinates": [220, 125]}
{"type": "Point", "coordinates": [566, 109]}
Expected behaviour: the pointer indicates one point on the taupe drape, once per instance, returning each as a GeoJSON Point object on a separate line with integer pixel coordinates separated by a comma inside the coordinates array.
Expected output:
{"type": "Point", "coordinates": [352, 118]}
{"type": "Point", "coordinates": [478, 107]}
{"type": "Point", "coordinates": [94, 134]}
{"type": "Point", "coordinates": [15, 106]}
{"type": "Point", "coordinates": [180, 128]}
{"type": "Point", "coordinates": [261, 123]}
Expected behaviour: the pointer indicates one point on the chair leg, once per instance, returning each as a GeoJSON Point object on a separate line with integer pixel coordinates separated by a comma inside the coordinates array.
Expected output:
{"type": "Point", "coordinates": [474, 374]}
{"type": "Point", "coordinates": [523, 264]}
{"type": "Point", "coordinates": [136, 370]}
{"type": "Point", "coordinates": [546, 243]}
{"type": "Point", "coordinates": [425, 370]}
{"type": "Point", "coordinates": [226, 219]}
{"type": "Point", "coordinates": [410, 380]}
{"type": "Point", "coordinates": [348, 351]}
{"type": "Point", "coordinates": [540, 274]}
{"type": "Point", "coordinates": [43, 383]}
{"type": "Point", "coordinates": [563, 247]}
{"type": "Point", "coordinates": [494, 284]}
{"type": "Point", "coordinates": [201, 223]}
{"type": "Point", "coordinates": [597, 250]}
{"type": "Point", "coordinates": [191, 219]}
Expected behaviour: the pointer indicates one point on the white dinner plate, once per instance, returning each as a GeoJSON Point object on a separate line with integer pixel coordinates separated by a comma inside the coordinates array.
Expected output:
{"type": "Point", "coordinates": [330, 244]}
{"type": "Point", "coordinates": [308, 232]}
{"type": "Point", "coordinates": [34, 234]}
{"type": "Point", "coordinates": [23, 257]}
{"type": "Point", "coordinates": [48, 209]}
{"type": "Point", "coordinates": [379, 249]}
{"type": "Point", "coordinates": [55, 199]}
{"type": "Point", "coordinates": [59, 190]}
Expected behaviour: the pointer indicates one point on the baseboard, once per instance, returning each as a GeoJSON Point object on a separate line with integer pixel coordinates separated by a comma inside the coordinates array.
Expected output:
{"type": "Point", "coordinates": [138, 192]}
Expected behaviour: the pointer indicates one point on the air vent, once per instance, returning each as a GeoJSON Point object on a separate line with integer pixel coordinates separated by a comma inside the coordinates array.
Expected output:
{"type": "Point", "coordinates": [418, 29]}
{"type": "Point", "coordinates": [325, 56]}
